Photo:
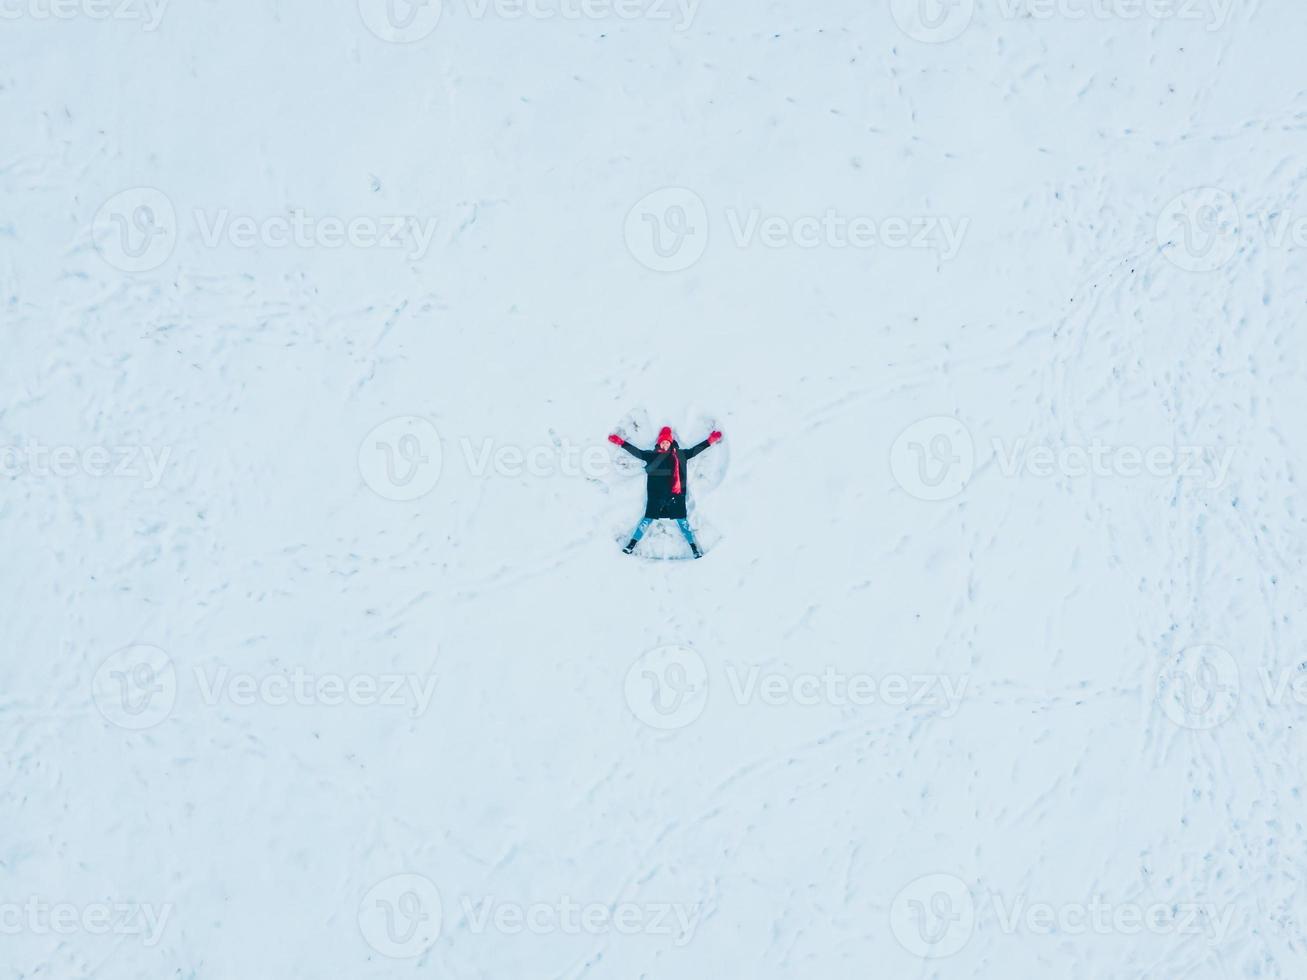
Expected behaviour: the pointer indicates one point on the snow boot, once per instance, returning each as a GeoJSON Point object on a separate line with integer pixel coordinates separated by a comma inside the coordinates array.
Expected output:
{"type": "Point", "coordinates": [630, 547]}
{"type": "Point", "coordinates": [697, 553]}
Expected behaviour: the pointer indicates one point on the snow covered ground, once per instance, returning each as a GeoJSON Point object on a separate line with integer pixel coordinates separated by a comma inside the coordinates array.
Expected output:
{"type": "Point", "coordinates": [320, 655]}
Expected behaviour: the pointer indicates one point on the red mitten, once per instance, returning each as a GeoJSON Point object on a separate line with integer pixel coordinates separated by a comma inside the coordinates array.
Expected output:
{"type": "Point", "coordinates": [617, 440]}
{"type": "Point", "coordinates": [714, 438]}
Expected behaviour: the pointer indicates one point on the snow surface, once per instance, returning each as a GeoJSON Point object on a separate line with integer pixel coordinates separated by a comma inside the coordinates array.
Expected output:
{"type": "Point", "coordinates": [308, 673]}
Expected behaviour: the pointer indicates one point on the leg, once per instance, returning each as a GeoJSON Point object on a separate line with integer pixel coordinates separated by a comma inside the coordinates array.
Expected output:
{"type": "Point", "coordinates": [684, 525]}
{"type": "Point", "coordinates": [637, 534]}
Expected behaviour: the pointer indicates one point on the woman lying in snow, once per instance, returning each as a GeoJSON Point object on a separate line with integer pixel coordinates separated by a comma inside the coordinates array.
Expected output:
{"type": "Point", "coordinates": [667, 482]}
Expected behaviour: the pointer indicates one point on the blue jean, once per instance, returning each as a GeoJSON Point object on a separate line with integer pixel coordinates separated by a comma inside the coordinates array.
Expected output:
{"type": "Point", "coordinates": [681, 522]}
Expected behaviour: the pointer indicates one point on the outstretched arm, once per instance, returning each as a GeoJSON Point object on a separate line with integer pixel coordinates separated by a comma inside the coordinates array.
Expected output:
{"type": "Point", "coordinates": [712, 440]}
{"type": "Point", "coordinates": [643, 454]}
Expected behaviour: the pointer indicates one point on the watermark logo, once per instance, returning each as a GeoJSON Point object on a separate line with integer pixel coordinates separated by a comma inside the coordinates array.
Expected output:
{"type": "Point", "coordinates": [933, 459]}
{"type": "Point", "coordinates": [64, 462]}
{"type": "Point", "coordinates": [1202, 230]}
{"type": "Point", "coordinates": [1214, 13]}
{"type": "Point", "coordinates": [561, 457]}
{"type": "Point", "coordinates": [1198, 231]}
{"type": "Point", "coordinates": [401, 459]}
{"type": "Point", "coordinates": [1200, 688]}
{"type": "Point", "coordinates": [1281, 229]}
{"type": "Point", "coordinates": [1100, 917]}
{"type": "Point", "coordinates": [1289, 684]}
{"type": "Point", "coordinates": [404, 458]}
{"type": "Point", "coordinates": [136, 687]}
{"type": "Point", "coordinates": [939, 21]}
{"type": "Point", "coordinates": [38, 917]}
{"type": "Point", "coordinates": [591, 10]}
{"type": "Point", "coordinates": [573, 918]}
{"type": "Point", "coordinates": [667, 231]}
{"type": "Point", "coordinates": [933, 916]}
{"type": "Point", "coordinates": [933, 21]}
{"type": "Point", "coordinates": [300, 229]}
{"type": "Point", "coordinates": [834, 230]}
{"type": "Point", "coordinates": [1201, 464]}
{"type": "Point", "coordinates": [305, 688]}
{"type": "Point", "coordinates": [401, 916]}
{"type": "Point", "coordinates": [667, 687]}
{"type": "Point", "coordinates": [406, 21]}
{"type": "Point", "coordinates": [842, 689]}
{"type": "Point", "coordinates": [400, 21]}
{"type": "Point", "coordinates": [149, 13]}
{"type": "Point", "coordinates": [136, 229]}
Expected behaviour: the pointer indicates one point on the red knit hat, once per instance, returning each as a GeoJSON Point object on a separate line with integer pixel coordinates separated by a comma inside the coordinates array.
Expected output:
{"type": "Point", "coordinates": [665, 433]}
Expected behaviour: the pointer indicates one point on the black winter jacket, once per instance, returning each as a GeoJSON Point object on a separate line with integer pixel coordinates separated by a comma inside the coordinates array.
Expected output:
{"type": "Point", "coordinates": [661, 470]}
